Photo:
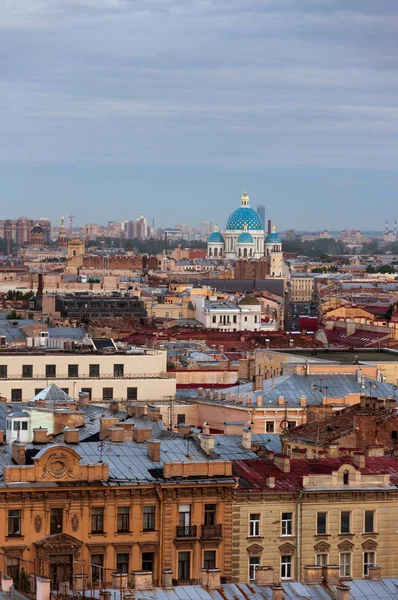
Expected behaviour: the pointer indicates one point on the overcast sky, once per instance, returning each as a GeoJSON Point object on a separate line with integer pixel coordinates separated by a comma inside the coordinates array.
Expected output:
{"type": "Point", "coordinates": [170, 108]}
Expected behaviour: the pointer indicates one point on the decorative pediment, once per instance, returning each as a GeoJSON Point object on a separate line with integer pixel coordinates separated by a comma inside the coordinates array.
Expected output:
{"type": "Point", "coordinates": [322, 547]}
{"type": "Point", "coordinates": [369, 545]}
{"type": "Point", "coordinates": [287, 548]}
{"type": "Point", "coordinates": [255, 550]}
{"type": "Point", "coordinates": [346, 546]}
{"type": "Point", "coordinates": [59, 539]}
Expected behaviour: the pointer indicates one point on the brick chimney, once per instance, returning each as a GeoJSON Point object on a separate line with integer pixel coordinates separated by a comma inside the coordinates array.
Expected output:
{"type": "Point", "coordinates": [247, 438]}
{"type": "Point", "coordinates": [303, 401]}
{"type": "Point", "coordinates": [19, 453]}
{"type": "Point", "coordinates": [374, 573]}
{"type": "Point", "coordinates": [281, 401]}
{"type": "Point", "coordinates": [331, 574]}
{"type": "Point", "coordinates": [1, 437]}
{"type": "Point", "coordinates": [375, 450]}
{"type": "Point", "coordinates": [154, 447]}
{"type": "Point", "coordinates": [141, 434]}
{"type": "Point", "coordinates": [359, 460]}
{"type": "Point", "coordinates": [141, 580]}
{"type": "Point", "coordinates": [264, 575]}
{"type": "Point", "coordinates": [84, 399]}
{"type": "Point", "coordinates": [282, 462]}
{"type": "Point", "coordinates": [207, 444]}
{"type": "Point", "coordinates": [313, 574]}
{"type": "Point", "coordinates": [71, 435]}
{"type": "Point", "coordinates": [233, 427]}
{"type": "Point", "coordinates": [206, 428]}
{"type": "Point", "coordinates": [167, 578]}
{"type": "Point", "coordinates": [40, 435]}
{"type": "Point", "coordinates": [184, 429]}
{"type": "Point", "coordinates": [277, 591]}
{"type": "Point", "coordinates": [210, 578]}
{"type": "Point", "coordinates": [116, 434]}
{"type": "Point", "coordinates": [342, 592]}
{"type": "Point", "coordinates": [259, 401]}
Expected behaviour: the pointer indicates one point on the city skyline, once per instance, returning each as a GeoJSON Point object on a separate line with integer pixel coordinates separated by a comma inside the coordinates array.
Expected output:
{"type": "Point", "coordinates": [179, 107]}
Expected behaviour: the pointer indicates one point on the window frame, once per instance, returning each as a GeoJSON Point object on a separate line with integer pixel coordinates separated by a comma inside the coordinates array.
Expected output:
{"type": "Point", "coordinates": [105, 394]}
{"type": "Point", "coordinates": [344, 566]}
{"type": "Point", "coordinates": [210, 515]}
{"type": "Point", "coordinates": [97, 519]}
{"type": "Point", "coordinates": [365, 529]}
{"type": "Point", "coordinates": [56, 516]}
{"type": "Point", "coordinates": [27, 371]}
{"type": "Point", "coordinates": [318, 532]}
{"type": "Point", "coordinates": [253, 566]}
{"type": "Point", "coordinates": [285, 524]}
{"type": "Point", "coordinates": [319, 561]}
{"type": "Point", "coordinates": [53, 373]}
{"type": "Point", "coordinates": [123, 519]}
{"type": "Point", "coordinates": [3, 371]}
{"type": "Point", "coordinates": [366, 564]}
{"type": "Point", "coordinates": [149, 517]}
{"type": "Point", "coordinates": [124, 562]}
{"type": "Point", "coordinates": [254, 525]}
{"type": "Point", "coordinates": [286, 564]}
{"type": "Point", "coordinates": [268, 424]}
{"type": "Point", "coordinates": [73, 371]}
{"type": "Point", "coordinates": [14, 522]}
{"type": "Point", "coordinates": [94, 370]}
{"type": "Point", "coordinates": [118, 370]}
{"type": "Point", "coordinates": [209, 563]}
{"type": "Point", "coordinates": [345, 512]}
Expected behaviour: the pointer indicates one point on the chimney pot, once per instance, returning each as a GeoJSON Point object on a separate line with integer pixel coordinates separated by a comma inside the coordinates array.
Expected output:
{"type": "Point", "coordinates": [154, 448]}
{"type": "Point", "coordinates": [116, 434]}
{"type": "Point", "coordinates": [342, 592]}
{"type": "Point", "coordinates": [277, 591]}
{"type": "Point", "coordinates": [247, 438]}
{"type": "Point", "coordinates": [183, 429]}
{"type": "Point", "coordinates": [71, 435]}
{"type": "Point", "coordinates": [40, 435]}
{"type": "Point", "coordinates": [282, 462]}
{"type": "Point", "coordinates": [359, 460]}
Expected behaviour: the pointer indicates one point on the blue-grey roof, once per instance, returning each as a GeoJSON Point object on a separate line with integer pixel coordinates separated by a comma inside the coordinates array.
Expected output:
{"type": "Point", "coordinates": [76, 333]}
{"type": "Point", "coordinates": [215, 238]}
{"type": "Point", "coordinates": [314, 387]}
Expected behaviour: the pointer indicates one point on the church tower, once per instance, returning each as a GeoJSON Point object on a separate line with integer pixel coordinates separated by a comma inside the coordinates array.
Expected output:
{"type": "Point", "coordinates": [273, 253]}
{"type": "Point", "coordinates": [62, 235]}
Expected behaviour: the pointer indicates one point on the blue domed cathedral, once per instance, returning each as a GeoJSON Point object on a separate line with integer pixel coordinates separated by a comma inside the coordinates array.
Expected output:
{"type": "Point", "coordinates": [244, 238]}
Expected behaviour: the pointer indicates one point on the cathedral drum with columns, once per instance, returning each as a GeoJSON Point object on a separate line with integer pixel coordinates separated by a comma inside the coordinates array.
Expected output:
{"type": "Point", "coordinates": [244, 238]}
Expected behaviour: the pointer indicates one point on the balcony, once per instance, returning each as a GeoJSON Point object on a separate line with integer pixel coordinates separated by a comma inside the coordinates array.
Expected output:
{"type": "Point", "coordinates": [177, 582]}
{"type": "Point", "coordinates": [211, 532]}
{"type": "Point", "coordinates": [186, 531]}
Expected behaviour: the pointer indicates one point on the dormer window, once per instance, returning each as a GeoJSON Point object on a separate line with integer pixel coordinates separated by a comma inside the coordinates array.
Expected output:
{"type": "Point", "coordinates": [346, 477]}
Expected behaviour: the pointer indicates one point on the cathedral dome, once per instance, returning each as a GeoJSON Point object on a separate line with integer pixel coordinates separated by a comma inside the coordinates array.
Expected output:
{"type": "Point", "coordinates": [245, 238]}
{"type": "Point", "coordinates": [244, 215]}
{"type": "Point", "coordinates": [37, 229]}
{"type": "Point", "coordinates": [215, 238]}
{"type": "Point", "coordinates": [273, 237]}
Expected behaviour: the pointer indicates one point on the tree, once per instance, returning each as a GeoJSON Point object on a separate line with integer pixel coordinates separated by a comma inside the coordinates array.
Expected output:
{"type": "Point", "coordinates": [13, 315]}
{"type": "Point", "coordinates": [370, 269]}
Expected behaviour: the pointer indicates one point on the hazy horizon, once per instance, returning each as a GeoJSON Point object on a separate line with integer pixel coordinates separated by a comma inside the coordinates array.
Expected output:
{"type": "Point", "coordinates": [170, 108]}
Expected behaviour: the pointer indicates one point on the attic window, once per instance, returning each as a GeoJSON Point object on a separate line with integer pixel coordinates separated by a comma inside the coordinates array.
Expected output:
{"type": "Point", "coordinates": [346, 477]}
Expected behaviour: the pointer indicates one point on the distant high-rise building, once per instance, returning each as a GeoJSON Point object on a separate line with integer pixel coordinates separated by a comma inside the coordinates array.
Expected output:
{"type": "Point", "coordinates": [261, 213]}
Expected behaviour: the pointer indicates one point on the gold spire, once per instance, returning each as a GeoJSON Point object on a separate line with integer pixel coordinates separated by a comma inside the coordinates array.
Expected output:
{"type": "Point", "coordinates": [216, 227]}
{"type": "Point", "coordinates": [245, 227]}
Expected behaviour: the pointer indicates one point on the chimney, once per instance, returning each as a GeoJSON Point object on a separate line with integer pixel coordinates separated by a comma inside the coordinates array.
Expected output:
{"type": "Point", "coordinates": [19, 453]}
{"type": "Point", "coordinates": [374, 573]}
{"type": "Point", "coordinates": [358, 375]}
{"type": "Point", "coordinates": [141, 434]}
{"type": "Point", "coordinates": [331, 574]}
{"type": "Point", "coordinates": [270, 482]}
{"type": "Point", "coordinates": [334, 451]}
{"type": "Point", "coordinates": [248, 400]}
{"type": "Point", "coordinates": [116, 434]}
{"type": "Point", "coordinates": [342, 592]}
{"type": "Point", "coordinates": [40, 435]}
{"type": "Point", "coordinates": [282, 462]}
{"type": "Point", "coordinates": [375, 450]}
{"type": "Point", "coordinates": [277, 591]}
{"type": "Point", "coordinates": [239, 399]}
{"type": "Point", "coordinates": [210, 578]}
{"type": "Point", "coordinates": [40, 286]}
{"type": "Point", "coordinates": [264, 575]}
{"type": "Point", "coordinates": [200, 392]}
{"type": "Point", "coordinates": [231, 397]}
{"type": "Point", "coordinates": [1, 437]}
{"type": "Point", "coordinates": [207, 444]}
{"type": "Point", "coordinates": [303, 401]}
{"type": "Point", "coordinates": [313, 574]}
{"type": "Point", "coordinates": [359, 460]}
{"type": "Point", "coordinates": [205, 428]}
{"type": "Point", "coordinates": [281, 400]}
{"type": "Point", "coordinates": [84, 399]}
{"type": "Point", "coordinates": [233, 427]}
{"type": "Point", "coordinates": [269, 226]}
{"type": "Point", "coordinates": [184, 429]}
{"type": "Point", "coordinates": [154, 447]}
{"type": "Point", "coordinates": [141, 580]}
{"type": "Point", "coordinates": [71, 435]}
{"type": "Point", "coordinates": [247, 438]}
{"type": "Point", "coordinates": [167, 579]}
{"type": "Point", "coordinates": [223, 395]}
{"type": "Point", "coordinates": [259, 401]}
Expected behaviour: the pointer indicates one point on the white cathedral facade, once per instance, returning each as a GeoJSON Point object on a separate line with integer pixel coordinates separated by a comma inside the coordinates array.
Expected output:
{"type": "Point", "coordinates": [244, 238]}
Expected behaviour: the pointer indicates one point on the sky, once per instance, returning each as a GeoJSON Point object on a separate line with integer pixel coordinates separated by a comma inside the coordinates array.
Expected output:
{"type": "Point", "coordinates": [171, 108]}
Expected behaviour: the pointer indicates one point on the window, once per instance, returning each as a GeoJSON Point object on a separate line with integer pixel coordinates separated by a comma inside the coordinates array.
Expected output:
{"type": "Point", "coordinates": [184, 565]}
{"type": "Point", "coordinates": [97, 519]}
{"type": "Point", "coordinates": [131, 393]}
{"type": "Point", "coordinates": [24, 425]}
{"type": "Point", "coordinates": [321, 523]}
{"type": "Point", "coordinates": [94, 370]}
{"type": "Point", "coordinates": [321, 559]}
{"type": "Point", "coordinates": [346, 477]}
{"type": "Point", "coordinates": [122, 563]}
{"type": "Point", "coordinates": [12, 566]}
{"type": "Point", "coordinates": [180, 419]}
{"type": "Point", "coordinates": [107, 393]}
{"type": "Point", "coordinates": [345, 564]}
{"type": "Point", "coordinates": [254, 562]}
{"type": "Point", "coordinates": [16, 425]}
{"type": "Point", "coordinates": [73, 370]}
{"type": "Point", "coordinates": [209, 559]}
{"type": "Point", "coordinates": [147, 561]}
{"type": "Point", "coordinates": [148, 514]}
{"type": "Point", "coordinates": [56, 518]}
{"type": "Point", "coordinates": [369, 560]}
{"type": "Point", "coordinates": [269, 427]}
{"type": "Point", "coordinates": [16, 395]}
{"type": "Point", "coordinates": [210, 514]}
{"type": "Point", "coordinates": [291, 424]}
{"type": "Point", "coordinates": [287, 523]}
{"type": "Point", "coordinates": [214, 319]}
{"type": "Point", "coordinates": [184, 515]}
{"type": "Point", "coordinates": [51, 371]}
{"type": "Point", "coordinates": [345, 518]}
{"type": "Point", "coordinates": [14, 522]}
{"type": "Point", "coordinates": [234, 319]}
{"type": "Point", "coordinates": [3, 371]}
{"type": "Point", "coordinates": [245, 319]}
{"type": "Point", "coordinates": [254, 525]}
{"type": "Point", "coordinates": [369, 524]}
{"type": "Point", "coordinates": [118, 370]}
{"type": "Point", "coordinates": [27, 371]}
{"type": "Point", "coordinates": [123, 519]}
{"type": "Point", "coordinates": [38, 390]}
{"type": "Point", "coordinates": [286, 567]}
{"type": "Point", "coordinates": [97, 565]}
{"type": "Point", "coordinates": [394, 435]}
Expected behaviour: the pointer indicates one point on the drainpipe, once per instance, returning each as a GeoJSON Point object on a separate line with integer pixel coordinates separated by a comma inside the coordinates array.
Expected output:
{"type": "Point", "coordinates": [160, 569]}
{"type": "Point", "coordinates": [298, 536]}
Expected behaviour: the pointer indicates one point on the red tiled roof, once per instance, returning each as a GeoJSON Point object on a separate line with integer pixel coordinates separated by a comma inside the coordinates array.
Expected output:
{"type": "Point", "coordinates": [253, 473]}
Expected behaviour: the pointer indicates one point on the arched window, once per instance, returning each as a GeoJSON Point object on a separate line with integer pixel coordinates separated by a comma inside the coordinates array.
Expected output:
{"type": "Point", "coordinates": [215, 252]}
{"type": "Point", "coordinates": [251, 252]}
{"type": "Point", "coordinates": [245, 252]}
{"type": "Point", "coordinates": [346, 477]}
{"type": "Point", "coordinates": [209, 251]}
{"type": "Point", "coordinates": [240, 252]}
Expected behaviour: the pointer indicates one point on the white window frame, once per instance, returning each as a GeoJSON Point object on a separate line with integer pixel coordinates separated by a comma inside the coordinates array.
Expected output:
{"type": "Point", "coordinates": [254, 525]}
{"type": "Point", "coordinates": [252, 568]}
{"type": "Point", "coordinates": [366, 564]}
{"type": "Point", "coordinates": [321, 559]}
{"type": "Point", "coordinates": [286, 564]}
{"type": "Point", "coordinates": [284, 524]}
{"type": "Point", "coordinates": [344, 564]}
